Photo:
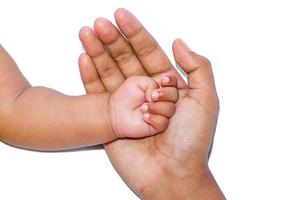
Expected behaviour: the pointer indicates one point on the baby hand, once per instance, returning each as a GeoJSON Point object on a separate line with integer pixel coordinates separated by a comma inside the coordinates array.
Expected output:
{"type": "Point", "coordinates": [140, 108]}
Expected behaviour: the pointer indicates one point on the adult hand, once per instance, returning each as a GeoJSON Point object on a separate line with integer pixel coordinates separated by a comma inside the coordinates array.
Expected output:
{"type": "Point", "coordinates": [174, 164]}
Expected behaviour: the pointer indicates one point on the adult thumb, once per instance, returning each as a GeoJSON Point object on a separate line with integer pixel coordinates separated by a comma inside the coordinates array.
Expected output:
{"type": "Point", "coordinates": [198, 68]}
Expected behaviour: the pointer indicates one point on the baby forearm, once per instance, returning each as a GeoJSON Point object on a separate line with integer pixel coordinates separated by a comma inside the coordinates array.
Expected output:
{"type": "Point", "coordinates": [44, 119]}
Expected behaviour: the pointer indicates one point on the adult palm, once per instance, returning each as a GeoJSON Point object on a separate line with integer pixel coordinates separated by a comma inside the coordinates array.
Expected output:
{"type": "Point", "coordinates": [162, 161]}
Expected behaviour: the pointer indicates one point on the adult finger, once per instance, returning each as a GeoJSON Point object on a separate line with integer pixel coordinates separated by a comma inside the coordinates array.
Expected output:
{"type": "Point", "coordinates": [118, 47]}
{"type": "Point", "coordinates": [200, 76]}
{"type": "Point", "coordinates": [108, 70]}
{"type": "Point", "coordinates": [145, 46]}
{"type": "Point", "coordinates": [89, 75]}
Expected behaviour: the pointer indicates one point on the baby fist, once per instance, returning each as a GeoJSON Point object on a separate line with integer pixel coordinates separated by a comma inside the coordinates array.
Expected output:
{"type": "Point", "coordinates": [140, 108]}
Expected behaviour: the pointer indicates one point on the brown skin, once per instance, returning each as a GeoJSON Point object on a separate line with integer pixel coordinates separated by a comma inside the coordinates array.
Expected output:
{"type": "Point", "coordinates": [174, 164]}
{"type": "Point", "coordinates": [43, 119]}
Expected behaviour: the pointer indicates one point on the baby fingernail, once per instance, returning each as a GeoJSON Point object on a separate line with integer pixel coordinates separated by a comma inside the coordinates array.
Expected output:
{"type": "Point", "coordinates": [146, 115]}
{"type": "Point", "coordinates": [155, 95]}
{"type": "Point", "coordinates": [145, 108]}
{"type": "Point", "coordinates": [166, 79]}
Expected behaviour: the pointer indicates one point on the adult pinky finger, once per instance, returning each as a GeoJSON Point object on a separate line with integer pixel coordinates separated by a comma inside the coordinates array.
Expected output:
{"type": "Point", "coordinates": [89, 75]}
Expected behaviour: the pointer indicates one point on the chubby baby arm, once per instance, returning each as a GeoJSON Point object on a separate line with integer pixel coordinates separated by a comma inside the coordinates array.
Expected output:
{"type": "Point", "coordinates": [140, 108]}
{"type": "Point", "coordinates": [43, 119]}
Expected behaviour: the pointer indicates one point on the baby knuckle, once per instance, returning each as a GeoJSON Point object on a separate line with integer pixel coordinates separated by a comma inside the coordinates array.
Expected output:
{"type": "Point", "coordinates": [165, 123]}
{"type": "Point", "coordinates": [172, 108]}
{"type": "Point", "coordinates": [175, 94]}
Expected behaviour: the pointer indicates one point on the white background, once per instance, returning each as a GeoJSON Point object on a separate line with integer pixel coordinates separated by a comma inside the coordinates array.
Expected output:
{"type": "Point", "coordinates": [254, 48]}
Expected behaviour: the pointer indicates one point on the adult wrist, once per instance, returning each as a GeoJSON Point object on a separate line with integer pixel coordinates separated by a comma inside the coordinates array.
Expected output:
{"type": "Point", "coordinates": [198, 187]}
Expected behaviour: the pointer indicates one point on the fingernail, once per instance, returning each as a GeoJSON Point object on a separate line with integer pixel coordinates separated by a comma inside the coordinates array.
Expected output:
{"type": "Point", "coordinates": [166, 79]}
{"type": "Point", "coordinates": [146, 116]}
{"type": "Point", "coordinates": [145, 108]}
{"type": "Point", "coordinates": [155, 95]}
{"type": "Point", "coordinates": [184, 45]}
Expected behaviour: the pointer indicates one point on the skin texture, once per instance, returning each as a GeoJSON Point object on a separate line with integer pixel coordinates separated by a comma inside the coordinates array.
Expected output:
{"type": "Point", "coordinates": [174, 164]}
{"type": "Point", "coordinates": [43, 119]}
